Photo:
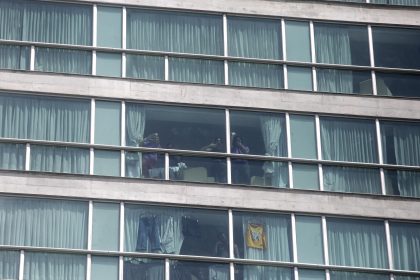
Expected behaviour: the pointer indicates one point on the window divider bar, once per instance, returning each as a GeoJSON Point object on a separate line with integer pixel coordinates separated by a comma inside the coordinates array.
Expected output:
{"type": "Point", "coordinates": [321, 177]}
{"type": "Point", "coordinates": [374, 86]}
{"type": "Point", "coordinates": [226, 69]}
{"type": "Point", "coordinates": [232, 271]}
{"type": "Point", "coordinates": [120, 268]}
{"type": "Point", "coordinates": [88, 266]}
{"type": "Point", "coordinates": [296, 273]}
{"type": "Point", "coordinates": [90, 225]}
{"type": "Point", "coordinates": [123, 122]}
{"type": "Point", "coordinates": [283, 40]}
{"type": "Point", "coordinates": [314, 80]}
{"type": "Point", "coordinates": [289, 149]}
{"type": "Point", "coordinates": [166, 68]}
{"type": "Point", "coordinates": [231, 240]}
{"type": "Point", "coordinates": [294, 237]}
{"type": "Point", "coordinates": [167, 166]}
{"type": "Point", "coordinates": [123, 65]}
{"type": "Point", "coordinates": [32, 59]}
{"type": "Point", "coordinates": [124, 27]}
{"type": "Point", "coordinates": [28, 157]}
{"type": "Point", "coordinates": [371, 51]}
{"type": "Point", "coordinates": [122, 217]}
{"type": "Point", "coordinates": [225, 49]}
{"type": "Point", "coordinates": [92, 135]}
{"type": "Point", "coordinates": [93, 63]}
{"type": "Point", "coordinates": [389, 245]}
{"type": "Point", "coordinates": [285, 77]}
{"type": "Point", "coordinates": [95, 25]}
{"type": "Point", "coordinates": [21, 264]}
{"type": "Point", "coordinates": [229, 170]}
{"type": "Point", "coordinates": [227, 124]}
{"type": "Point", "coordinates": [325, 240]}
{"type": "Point", "coordinates": [167, 269]}
{"type": "Point", "coordinates": [327, 274]}
{"type": "Point", "coordinates": [312, 41]}
{"type": "Point", "coordinates": [122, 165]}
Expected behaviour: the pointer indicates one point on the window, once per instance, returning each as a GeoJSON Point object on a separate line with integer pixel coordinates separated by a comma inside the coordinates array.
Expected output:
{"type": "Point", "coordinates": [344, 81]}
{"type": "Point", "coordinates": [249, 272]}
{"type": "Point", "coordinates": [256, 75]}
{"type": "Point", "coordinates": [394, 84]}
{"type": "Point", "coordinates": [196, 71]}
{"type": "Point", "coordinates": [300, 78]}
{"type": "Point", "coordinates": [351, 179]}
{"type": "Point", "coordinates": [145, 67]}
{"type": "Point", "coordinates": [109, 27]}
{"type": "Point", "coordinates": [298, 45]}
{"type": "Point", "coordinates": [9, 264]}
{"type": "Point", "coordinates": [149, 269]}
{"type": "Point", "coordinates": [107, 122]}
{"type": "Point", "coordinates": [63, 61]}
{"type": "Point", "coordinates": [12, 156]}
{"type": "Point", "coordinates": [302, 136]}
{"type": "Point", "coordinates": [104, 268]}
{"type": "Point", "coordinates": [105, 228]}
{"type": "Point", "coordinates": [309, 240]}
{"type": "Point", "coordinates": [305, 176]}
{"type": "Point", "coordinates": [198, 270]}
{"type": "Point", "coordinates": [402, 182]}
{"type": "Point", "coordinates": [108, 64]}
{"type": "Point", "coordinates": [405, 239]}
{"type": "Point", "coordinates": [14, 57]}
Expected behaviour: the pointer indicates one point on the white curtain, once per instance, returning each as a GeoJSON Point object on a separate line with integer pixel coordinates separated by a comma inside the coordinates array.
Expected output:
{"type": "Point", "coordinates": [14, 57]}
{"type": "Point", "coordinates": [357, 243]}
{"type": "Point", "coordinates": [146, 67]}
{"type": "Point", "coordinates": [40, 266]}
{"type": "Point", "coordinates": [337, 81]}
{"type": "Point", "coordinates": [406, 246]}
{"type": "Point", "coordinates": [351, 179]}
{"type": "Point", "coordinates": [255, 75]}
{"type": "Point", "coordinates": [135, 125]}
{"type": "Point", "coordinates": [9, 264]}
{"type": "Point", "coordinates": [63, 61]}
{"type": "Point", "coordinates": [196, 71]}
{"type": "Point", "coordinates": [266, 273]}
{"type": "Point", "coordinates": [12, 156]}
{"type": "Point", "coordinates": [43, 223]}
{"type": "Point", "coordinates": [272, 129]}
{"type": "Point", "coordinates": [403, 182]}
{"type": "Point", "coordinates": [345, 275]}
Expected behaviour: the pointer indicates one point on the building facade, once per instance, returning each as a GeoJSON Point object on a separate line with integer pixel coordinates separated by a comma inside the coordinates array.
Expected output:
{"type": "Point", "coordinates": [209, 140]}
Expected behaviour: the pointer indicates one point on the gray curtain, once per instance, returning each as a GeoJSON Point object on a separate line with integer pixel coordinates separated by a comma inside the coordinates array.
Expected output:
{"type": "Point", "coordinates": [43, 223]}
{"type": "Point", "coordinates": [266, 273]}
{"type": "Point", "coordinates": [174, 32]}
{"type": "Point", "coordinates": [405, 240]}
{"type": "Point", "coordinates": [44, 118]}
{"type": "Point", "coordinates": [337, 81]}
{"type": "Point", "coordinates": [12, 156]}
{"type": "Point", "coordinates": [145, 67]}
{"type": "Point", "coordinates": [41, 266]}
{"type": "Point", "coordinates": [14, 57]}
{"type": "Point", "coordinates": [46, 22]}
{"type": "Point", "coordinates": [357, 243]}
{"type": "Point", "coordinates": [135, 125]}
{"type": "Point", "coordinates": [255, 75]}
{"type": "Point", "coordinates": [63, 61]}
{"type": "Point", "coordinates": [398, 2]}
{"type": "Point", "coordinates": [196, 71]}
{"type": "Point", "coordinates": [403, 182]}
{"type": "Point", "coordinates": [9, 264]}
{"type": "Point", "coordinates": [400, 277]}
{"type": "Point", "coordinates": [351, 179]}
{"type": "Point", "coordinates": [348, 140]}
{"type": "Point", "coordinates": [59, 159]}
{"type": "Point", "coordinates": [256, 38]}
{"type": "Point", "coordinates": [344, 275]}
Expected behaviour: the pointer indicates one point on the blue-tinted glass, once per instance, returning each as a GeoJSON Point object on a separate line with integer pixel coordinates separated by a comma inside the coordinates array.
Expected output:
{"type": "Point", "coordinates": [63, 61]}
{"type": "Point", "coordinates": [197, 169]}
{"type": "Point", "coordinates": [259, 173]}
{"type": "Point", "coordinates": [344, 275]}
{"type": "Point", "coordinates": [107, 122]}
{"type": "Point", "coordinates": [300, 78]}
{"type": "Point", "coordinates": [255, 75]}
{"type": "Point", "coordinates": [352, 179]}
{"type": "Point", "coordinates": [152, 165]}
{"type": "Point", "coordinates": [250, 272]}
{"type": "Point", "coordinates": [298, 41]}
{"type": "Point", "coordinates": [105, 228]}
{"type": "Point", "coordinates": [9, 265]}
{"type": "Point", "coordinates": [109, 27]}
{"type": "Point", "coordinates": [344, 81]}
{"type": "Point", "coordinates": [394, 84]}
{"type": "Point", "coordinates": [145, 67]}
{"type": "Point", "coordinates": [104, 268]}
{"type": "Point", "coordinates": [309, 240]}
{"type": "Point", "coordinates": [405, 239]}
{"type": "Point", "coordinates": [308, 274]}
{"type": "Point", "coordinates": [149, 269]}
{"type": "Point", "coordinates": [108, 64]}
{"type": "Point", "coordinates": [14, 57]}
{"type": "Point", "coordinates": [107, 163]}
{"type": "Point", "coordinates": [196, 71]}
{"type": "Point", "coordinates": [305, 176]}
{"type": "Point", "coordinates": [402, 182]}
{"type": "Point", "coordinates": [12, 156]}
{"type": "Point", "coordinates": [198, 270]}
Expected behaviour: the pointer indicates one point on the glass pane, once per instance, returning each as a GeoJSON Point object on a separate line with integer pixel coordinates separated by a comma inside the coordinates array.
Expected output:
{"type": "Point", "coordinates": [105, 228]}
{"type": "Point", "coordinates": [396, 47]}
{"type": "Point", "coordinates": [108, 64]}
{"type": "Point", "coordinates": [9, 265]}
{"type": "Point", "coordinates": [405, 239]}
{"type": "Point", "coordinates": [149, 269]}
{"type": "Point", "coordinates": [12, 156]}
{"type": "Point", "coordinates": [393, 84]}
{"type": "Point", "coordinates": [107, 122]}
{"type": "Point", "coordinates": [152, 165]}
{"type": "Point", "coordinates": [174, 32]}
{"type": "Point", "coordinates": [300, 78]}
{"type": "Point", "coordinates": [260, 173]}
{"type": "Point", "coordinates": [196, 71]}
{"type": "Point", "coordinates": [184, 128]}
{"type": "Point", "coordinates": [198, 270]}
{"type": "Point", "coordinates": [344, 275]}
{"type": "Point", "coordinates": [197, 169]}
{"type": "Point", "coordinates": [400, 277]}
{"type": "Point", "coordinates": [44, 118]}
{"type": "Point", "coordinates": [403, 183]}
{"type": "Point", "coordinates": [104, 268]}
{"type": "Point", "coordinates": [109, 27]}
{"type": "Point", "coordinates": [357, 243]}
{"type": "Point", "coordinates": [305, 176]}
{"type": "Point", "coordinates": [348, 140]}
{"type": "Point", "coordinates": [171, 230]}
{"type": "Point", "coordinates": [145, 67]}
{"type": "Point", "coordinates": [309, 240]}
{"type": "Point", "coordinates": [401, 142]}
{"type": "Point", "coordinates": [341, 44]}
{"type": "Point", "coordinates": [298, 41]}
{"type": "Point", "coordinates": [250, 272]}
{"type": "Point", "coordinates": [59, 159]}
{"type": "Point", "coordinates": [308, 274]}
{"type": "Point", "coordinates": [107, 163]}
{"type": "Point", "coordinates": [14, 57]}
{"type": "Point", "coordinates": [43, 22]}
{"type": "Point", "coordinates": [302, 136]}
{"type": "Point", "coordinates": [351, 179]}
{"type": "Point", "coordinates": [43, 223]}
{"type": "Point", "coordinates": [397, 2]}
{"type": "Point", "coordinates": [255, 75]}
{"type": "Point", "coordinates": [63, 61]}
{"type": "Point", "coordinates": [252, 37]}
{"type": "Point", "coordinates": [54, 266]}
{"type": "Point", "coordinates": [258, 133]}
{"type": "Point", "coordinates": [262, 236]}
{"type": "Point", "coordinates": [344, 81]}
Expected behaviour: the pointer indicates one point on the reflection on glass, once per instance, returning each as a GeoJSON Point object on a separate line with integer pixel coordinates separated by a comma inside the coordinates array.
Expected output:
{"type": "Point", "coordinates": [300, 78]}
{"type": "Point", "coordinates": [63, 61]}
{"type": "Point", "coordinates": [405, 239]}
{"type": "Point", "coordinates": [145, 67]}
{"type": "Point", "coordinates": [351, 179]}
{"type": "Point", "coordinates": [12, 156]}
{"type": "Point", "coordinates": [305, 176]}
{"type": "Point", "coordinates": [183, 270]}
{"type": "Point", "coordinates": [197, 169]}
{"type": "Point", "coordinates": [251, 272]}
{"type": "Point", "coordinates": [196, 70]}
{"type": "Point", "coordinates": [144, 269]}
{"type": "Point", "coordinates": [345, 275]}
{"type": "Point", "coordinates": [394, 84]}
{"type": "Point", "coordinates": [402, 182]}
{"type": "Point", "coordinates": [344, 81]}
{"type": "Point", "coordinates": [256, 75]}
{"type": "Point", "coordinates": [152, 165]}
{"type": "Point", "coordinates": [14, 57]}
{"type": "Point", "coordinates": [171, 230]}
{"type": "Point", "coordinates": [262, 236]}
{"type": "Point", "coordinates": [9, 265]}
{"type": "Point", "coordinates": [172, 127]}
{"type": "Point", "coordinates": [104, 268]}
{"type": "Point", "coordinates": [259, 173]}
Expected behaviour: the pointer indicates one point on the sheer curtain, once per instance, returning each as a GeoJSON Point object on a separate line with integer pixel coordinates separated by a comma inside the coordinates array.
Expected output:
{"type": "Point", "coordinates": [350, 179]}
{"type": "Point", "coordinates": [146, 67]}
{"type": "Point", "coordinates": [9, 264]}
{"type": "Point", "coordinates": [174, 32]}
{"type": "Point", "coordinates": [357, 243]}
{"type": "Point", "coordinates": [54, 266]}
{"type": "Point", "coordinates": [59, 159]}
{"type": "Point", "coordinates": [332, 45]}
{"type": "Point", "coordinates": [43, 223]}
{"type": "Point", "coordinates": [345, 275]}
{"type": "Point", "coordinates": [266, 273]}
{"type": "Point", "coordinates": [398, 2]}
{"type": "Point", "coordinates": [403, 182]}
{"type": "Point", "coordinates": [12, 156]}
{"type": "Point", "coordinates": [196, 71]}
{"type": "Point", "coordinates": [406, 246]}
{"type": "Point", "coordinates": [255, 75]}
{"type": "Point", "coordinates": [348, 140]}
{"type": "Point", "coordinates": [11, 18]}
{"type": "Point", "coordinates": [14, 57]}
{"type": "Point", "coordinates": [63, 61]}
{"type": "Point", "coordinates": [135, 125]}
{"type": "Point", "coordinates": [272, 129]}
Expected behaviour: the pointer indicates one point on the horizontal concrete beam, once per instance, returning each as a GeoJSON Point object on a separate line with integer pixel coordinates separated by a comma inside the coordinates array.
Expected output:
{"type": "Point", "coordinates": [202, 95]}
{"type": "Point", "coordinates": [315, 10]}
{"type": "Point", "coordinates": [204, 195]}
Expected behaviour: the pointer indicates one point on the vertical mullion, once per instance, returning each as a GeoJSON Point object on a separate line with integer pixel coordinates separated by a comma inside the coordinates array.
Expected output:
{"type": "Point", "coordinates": [121, 239]}
{"type": "Point", "coordinates": [167, 269]}
{"type": "Point", "coordinates": [21, 264]}
{"type": "Point", "coordinates": [284, 53]}
{"type": "Point", "coordinates": [28, 157]}
{"type": "Point", "coordinates": [225, 48]}
{"type": "Point", "coordinates": [94, 37]}
{"type": "Point", "coordinates": [32, 59]}
{"type": "Point", "coordinates": [389, 245]}
{"type": "Point", "coordinates": [124, 42]}
{"type": "Point", "coordinates": [289, 150]}
{"type": "Point", "coordinates": [92, 136]}
{"type": "Point", "coordinates": [380, 154]}
{"type": "Point", "coordinates": [167, 166]}
{"type": "Point", "coordinates": [122, 138]}
{"type": "Point", "coordinates": [294, 238]}
{"type": "Point", "coordinates": [372, 59]}
{"type": "Point", "coordinates": [313, 55]}
{"type": "Point", "coordinates": [89, 243]}
{"type": "Point", "coordinates": [166, 68]}
{"type": "Point", "coordinates": [228, 145]}
{"type": "Point", "coordinates": [325, 240]}
{"type": "Point", "coordinates": [319, 151]}
{"type": "Point", "coordinates": [231, 245]}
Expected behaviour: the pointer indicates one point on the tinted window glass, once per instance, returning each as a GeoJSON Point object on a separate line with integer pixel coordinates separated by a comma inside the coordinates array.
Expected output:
{"type": "Point", "coordinates": [344, 81]}
{"type": "Point", "coordinates": [394, 84]}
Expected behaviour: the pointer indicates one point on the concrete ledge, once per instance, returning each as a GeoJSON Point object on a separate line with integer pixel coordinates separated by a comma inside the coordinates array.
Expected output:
{"type": "Point", "coordinates": [204, 195]}
{"type": "Point", "coordinates": [202, 95]}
